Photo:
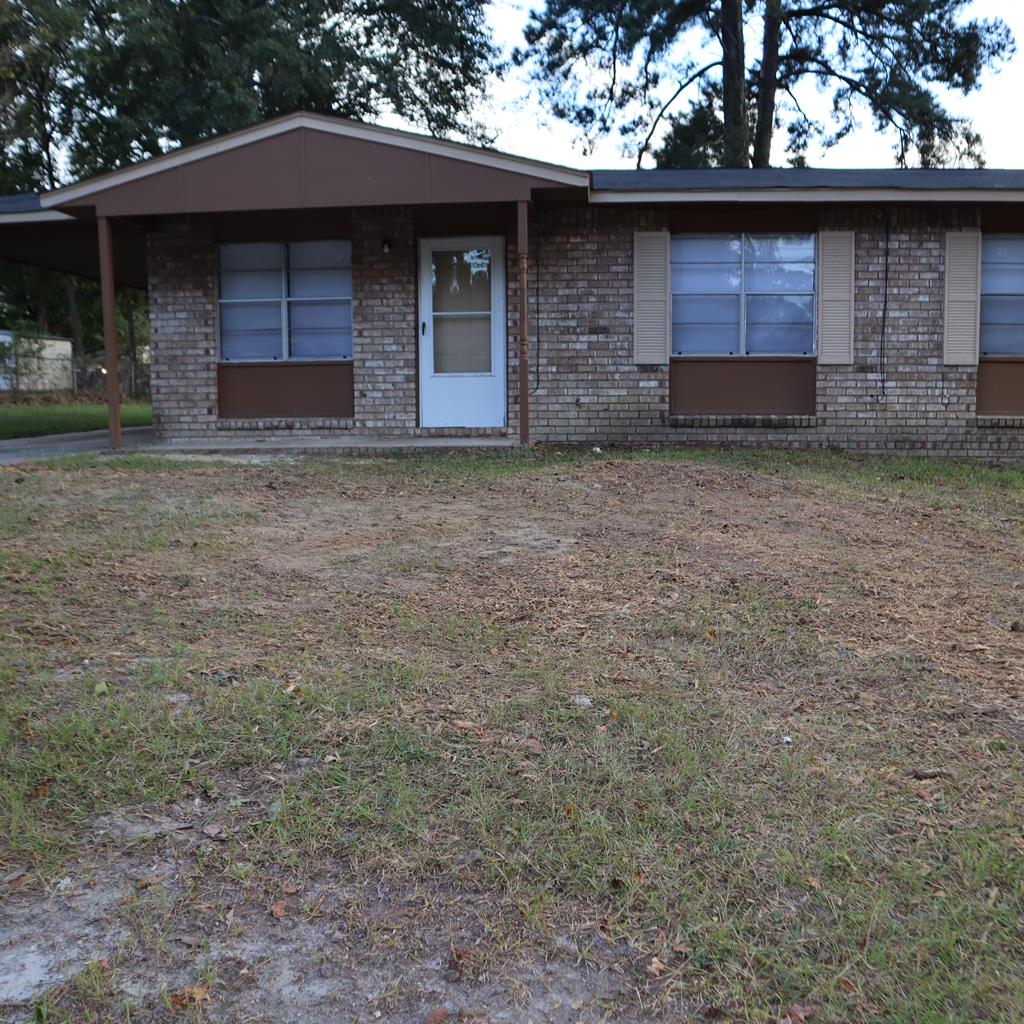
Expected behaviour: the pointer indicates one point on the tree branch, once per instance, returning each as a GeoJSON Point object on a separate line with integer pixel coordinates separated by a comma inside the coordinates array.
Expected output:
{"type": "Point", "coordinates": [661, 113]}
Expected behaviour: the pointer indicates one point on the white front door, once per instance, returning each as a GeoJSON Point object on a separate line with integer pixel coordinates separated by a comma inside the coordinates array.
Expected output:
{"type": "Point", "coordinates": [462, 332]}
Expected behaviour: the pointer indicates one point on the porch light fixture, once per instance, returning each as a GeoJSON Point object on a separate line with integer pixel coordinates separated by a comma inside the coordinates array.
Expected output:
{"type": "Point", "coordinates": [385, 246]}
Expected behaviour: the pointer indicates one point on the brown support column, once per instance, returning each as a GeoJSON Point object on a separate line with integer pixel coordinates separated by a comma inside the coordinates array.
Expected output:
{"type": "Point", "coordinates": [522, 245]}
{"type": "Point", "coordinates": [110, 331]}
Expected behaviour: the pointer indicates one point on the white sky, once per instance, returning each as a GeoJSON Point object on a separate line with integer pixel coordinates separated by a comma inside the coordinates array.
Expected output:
{"type": "Point", "coordinates": [524, 128]}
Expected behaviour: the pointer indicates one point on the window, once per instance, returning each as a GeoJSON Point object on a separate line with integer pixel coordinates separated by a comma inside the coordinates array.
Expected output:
{"type": "Point", "coordinates": [1002, 295]}
{"type": "Point", "coordinates": [286, 301]}
{"type": "Point", "coordinates": [736, 295]}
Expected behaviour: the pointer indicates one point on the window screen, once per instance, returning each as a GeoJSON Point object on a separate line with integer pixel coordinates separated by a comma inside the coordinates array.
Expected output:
{"type": "Point", "coordinates": [1002, 295]}
{"type": "Point", "coordinates": [289, 301]}
{"type": "Point", "coordinates": [736, 295]}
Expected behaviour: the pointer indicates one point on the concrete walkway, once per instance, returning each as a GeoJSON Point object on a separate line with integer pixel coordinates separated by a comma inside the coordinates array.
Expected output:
{"type": "Point", "coordinates": [55, 446]}
{"type": "Point", "coordinates": [141, 439]}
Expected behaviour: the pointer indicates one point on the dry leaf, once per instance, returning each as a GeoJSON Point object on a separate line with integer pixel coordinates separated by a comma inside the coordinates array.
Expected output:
{"type": "Point", "coordinates": [194, 995]}
{"type": "Point", "coordinates": [655, 967]}
{"type": "Point", "coordinates": [289, 888]}
{"type": "Point", "coordinates": [16, 877]}
{"type": "Point", "coordinates": [796, 1013]}
{"type": "Point", "coordinates": [279, 909]}
{"type": "Point", "coordinates": [436, 1016]}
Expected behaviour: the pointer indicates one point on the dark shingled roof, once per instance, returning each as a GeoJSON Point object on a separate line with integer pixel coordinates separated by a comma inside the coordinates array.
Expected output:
{"type": "Point", "coordinates": [19, 204]}
{"type": "Point", "coordinates": [739, 179]}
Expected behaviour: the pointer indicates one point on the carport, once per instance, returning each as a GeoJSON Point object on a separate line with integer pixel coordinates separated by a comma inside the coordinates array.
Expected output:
{"type": "Point", "coordinates": [76, 241]}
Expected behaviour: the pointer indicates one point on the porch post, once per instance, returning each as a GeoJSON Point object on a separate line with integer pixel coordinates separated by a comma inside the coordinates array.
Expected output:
{"type": "Point", "coordinates": [522, 245]}
{"type": "Point", "coordinates": [110, 330]}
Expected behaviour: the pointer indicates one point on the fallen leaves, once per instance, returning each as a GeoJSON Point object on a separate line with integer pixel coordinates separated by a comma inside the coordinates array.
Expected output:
{"type": "Point", "coordinates": [656, 967]}
{"type": "Point", "coordinates": [188, 998]}
{"type": "Point", "coordinates": [797, 1013]}
{"type": "Point", "coordinates": [279, 909]}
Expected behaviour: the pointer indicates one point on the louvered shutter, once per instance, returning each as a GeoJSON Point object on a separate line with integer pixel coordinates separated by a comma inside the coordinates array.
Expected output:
{"type": "Point", "coordinates": [963, 297]}
{"type": "Point", "coordinates": [835, 297]}
{"type": "Point", "coordinates": [652, 298]}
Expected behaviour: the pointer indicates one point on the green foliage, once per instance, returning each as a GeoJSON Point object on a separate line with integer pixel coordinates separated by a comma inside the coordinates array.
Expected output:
{"type": "Point", "coordinates": [623, 65]}
{"type": "Point", "coordinates": [90, 86]}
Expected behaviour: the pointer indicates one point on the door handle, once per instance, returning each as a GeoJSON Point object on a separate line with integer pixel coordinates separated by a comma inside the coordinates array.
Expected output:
{"type": "Point", "coordinates": [423, 328]}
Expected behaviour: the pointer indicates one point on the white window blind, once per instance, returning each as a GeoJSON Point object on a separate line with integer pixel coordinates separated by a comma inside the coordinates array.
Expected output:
{"type": "Point", "coordinates": [285, 301]}
{"type": "Point", "coordinates": [1002, 295]}
{"type": "Point", "coordinates": [737, 295]}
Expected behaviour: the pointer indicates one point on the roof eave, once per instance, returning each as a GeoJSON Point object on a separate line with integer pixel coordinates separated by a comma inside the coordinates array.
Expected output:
{"type": "Point", "coordinates": [807, 195]}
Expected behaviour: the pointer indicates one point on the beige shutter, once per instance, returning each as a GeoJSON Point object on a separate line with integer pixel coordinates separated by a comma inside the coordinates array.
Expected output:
{"type": "Point", "coordinates": [652, 297]}
{"type": "Point", "coordinates": [835, 297]}
{"type": "Point", "coordinates": [963, 297]}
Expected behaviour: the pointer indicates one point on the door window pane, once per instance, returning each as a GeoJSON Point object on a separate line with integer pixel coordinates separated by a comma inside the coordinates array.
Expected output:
{"type": "Point", "coordinates": [461, 280]}
{"type": "Point", "coordinates": [462, 344]}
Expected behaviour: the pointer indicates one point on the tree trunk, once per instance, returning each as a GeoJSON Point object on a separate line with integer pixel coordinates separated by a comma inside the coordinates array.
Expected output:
{"type": "Point", "coordinates": [131, 341]}
{"type": "Point", "coordinates": [768, 83]}
{"type": "Point", "coordinates": [74, 316]}
{"type": "Point", "coordinates": [734, 74]}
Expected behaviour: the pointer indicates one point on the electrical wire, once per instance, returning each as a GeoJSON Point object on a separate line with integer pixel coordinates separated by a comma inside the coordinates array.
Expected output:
{"type": "Point", "coordinates": [885, 308]}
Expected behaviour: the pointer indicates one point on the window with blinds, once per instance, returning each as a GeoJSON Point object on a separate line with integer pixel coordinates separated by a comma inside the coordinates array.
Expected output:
{"type": "Point", "coordinates": [282, 301]}
{"type": "Point", "coordinates": [1002, 295]}
{"type": "Point", "coordinates": [743, 295]}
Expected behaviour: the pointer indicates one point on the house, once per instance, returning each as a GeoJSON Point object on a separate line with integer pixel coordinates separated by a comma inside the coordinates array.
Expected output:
{"type": "Point", "coordinates": [314, 276]}
{"type": "Point", "coordinates": [31, 362]}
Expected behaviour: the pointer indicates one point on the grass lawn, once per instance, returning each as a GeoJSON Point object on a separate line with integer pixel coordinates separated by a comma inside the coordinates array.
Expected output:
{"type": "Point", "coordinates": [21, 420]}
{"type": "Point", "coordinates": [680, 736]}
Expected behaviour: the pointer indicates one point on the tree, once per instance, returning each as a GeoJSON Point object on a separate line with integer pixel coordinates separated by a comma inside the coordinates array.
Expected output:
{"type": "Point", "coordinates": [604, 65]}
{"type": "Point", "coordinates": [161, 73]}
{"type": "Point", "coordinates": [90, 85]}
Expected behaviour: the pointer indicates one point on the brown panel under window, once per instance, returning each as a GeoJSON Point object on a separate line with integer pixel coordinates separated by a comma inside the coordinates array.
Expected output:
{"type": "Point", "coordinates": [742, 386]}
{"type": "Point", "coordinates": [1001, 387]}
{"type": "Point", "coordinates": [321, 390]}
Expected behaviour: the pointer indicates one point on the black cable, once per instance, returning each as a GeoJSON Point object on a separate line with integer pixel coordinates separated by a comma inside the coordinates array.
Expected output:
{"type": "Point", "coordinates": [536, 314]}
{"type": "Point", "coordinates": [885, 308]}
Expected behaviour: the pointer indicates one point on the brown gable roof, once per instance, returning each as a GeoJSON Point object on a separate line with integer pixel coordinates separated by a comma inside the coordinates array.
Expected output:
{"type": "Point", "coordinates": [307, 160]}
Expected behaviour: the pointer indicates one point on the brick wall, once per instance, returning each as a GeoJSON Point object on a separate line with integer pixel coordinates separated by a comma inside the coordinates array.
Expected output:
{"type": "Point", "coordinates": [584, 386]}
{"type": "Point", "coordinates": [896, 397]}
{"type": "Point", "coordinates": [182, 330]}
{"type": "Point", "coordinates": [384, 320]}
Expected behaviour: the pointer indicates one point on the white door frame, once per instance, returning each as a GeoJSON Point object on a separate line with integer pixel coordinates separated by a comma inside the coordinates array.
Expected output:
{"type": "Point", "coordinates": [446, 399]}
